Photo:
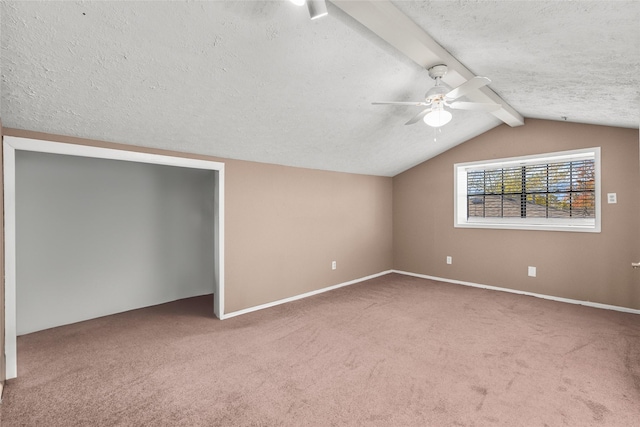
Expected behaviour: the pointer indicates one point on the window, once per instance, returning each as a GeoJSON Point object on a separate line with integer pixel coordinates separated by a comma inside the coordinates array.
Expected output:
{"type": "Point", "coordinates": [555, 191]}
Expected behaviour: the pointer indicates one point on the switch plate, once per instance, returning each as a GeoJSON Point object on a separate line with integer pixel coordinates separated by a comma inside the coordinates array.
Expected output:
{"type": "Point", "coordinates": [333, 265]}
{"type": "Point", "coordinates": [531, 271]}
{"type": "Point", "coordinates": [612, 198]}
{"type": "Point", "coordinates": [449, 260]}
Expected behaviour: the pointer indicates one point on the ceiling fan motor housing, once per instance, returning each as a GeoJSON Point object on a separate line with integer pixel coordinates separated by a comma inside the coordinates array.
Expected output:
{"type": "Point", "coordinates": [436, 93]}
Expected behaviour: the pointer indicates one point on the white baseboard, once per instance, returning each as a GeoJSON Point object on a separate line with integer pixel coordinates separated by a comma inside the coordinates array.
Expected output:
{"type": "Point", "coordinates": [532, 294]}
{"type": "Point", "coordinates": [305, 295]}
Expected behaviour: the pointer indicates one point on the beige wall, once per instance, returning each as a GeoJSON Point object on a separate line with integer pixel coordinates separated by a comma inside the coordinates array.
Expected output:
{"type": "Point", "coordinates": [584, 266]}
{"type": "Point", "coordinates": [285, 225]}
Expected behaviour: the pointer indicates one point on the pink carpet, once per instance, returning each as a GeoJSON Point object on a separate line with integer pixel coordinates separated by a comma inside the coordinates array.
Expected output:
{"type": "Point", "coordinates": [393, 351]}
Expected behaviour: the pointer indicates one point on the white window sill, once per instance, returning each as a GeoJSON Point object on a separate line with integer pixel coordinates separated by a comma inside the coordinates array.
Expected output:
{"type": "Point", "coordinates": [592, 228]}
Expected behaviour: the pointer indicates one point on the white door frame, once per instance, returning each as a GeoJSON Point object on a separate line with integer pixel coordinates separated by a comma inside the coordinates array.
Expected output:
{"type": "Point", "coordinates": [11, 144]}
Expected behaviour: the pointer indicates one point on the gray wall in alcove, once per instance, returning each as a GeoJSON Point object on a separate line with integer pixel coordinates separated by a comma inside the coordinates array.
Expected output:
{"type": "Point", "coordinates": [96, 237]}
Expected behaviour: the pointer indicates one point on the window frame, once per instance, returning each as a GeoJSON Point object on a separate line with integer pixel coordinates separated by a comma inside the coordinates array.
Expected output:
{"type": "Point", "coordinates": [588, 225]}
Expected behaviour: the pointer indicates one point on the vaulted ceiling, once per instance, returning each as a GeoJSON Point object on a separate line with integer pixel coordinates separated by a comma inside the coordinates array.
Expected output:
{"type": "Point", "coordinates": [261, 81]}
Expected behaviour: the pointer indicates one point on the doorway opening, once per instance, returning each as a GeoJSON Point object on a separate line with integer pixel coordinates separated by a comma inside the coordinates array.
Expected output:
{"type": "Point", "coordinates": [13, 144]}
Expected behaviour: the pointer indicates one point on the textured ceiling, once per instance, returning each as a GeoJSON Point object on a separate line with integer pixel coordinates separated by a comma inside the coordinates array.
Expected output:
{"type": "Point", "coordinates": [260, 81]}
{"type": "Point", "coordinates": [548, 59]}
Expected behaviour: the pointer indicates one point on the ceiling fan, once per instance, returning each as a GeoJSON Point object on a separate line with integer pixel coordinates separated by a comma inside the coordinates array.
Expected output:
{"type": "Point", "coordinates": [439, 97]}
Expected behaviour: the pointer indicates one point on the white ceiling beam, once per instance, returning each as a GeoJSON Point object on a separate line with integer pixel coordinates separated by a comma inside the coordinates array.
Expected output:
{"type": "Point", "coordinates": [397, 29]}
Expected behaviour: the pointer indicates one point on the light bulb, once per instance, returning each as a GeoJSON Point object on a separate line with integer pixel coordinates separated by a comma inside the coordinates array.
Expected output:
{"type": "Point", "coordinates": [298, 2]}
{"type": "Point", "coordinates": [438, 118]}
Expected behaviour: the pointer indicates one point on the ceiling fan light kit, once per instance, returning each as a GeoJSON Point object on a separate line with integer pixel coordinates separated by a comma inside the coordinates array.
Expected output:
{"type": "Point", "coordinates": [439, 96]}
{"type": "Point", "coordinates": [438, 118]}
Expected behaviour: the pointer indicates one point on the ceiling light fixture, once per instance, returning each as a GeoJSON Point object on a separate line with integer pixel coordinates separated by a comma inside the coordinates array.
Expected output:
{"type": "Point", "coordinates": [438, 117]}
{"type": "Point", "coordinates": [317, 8]}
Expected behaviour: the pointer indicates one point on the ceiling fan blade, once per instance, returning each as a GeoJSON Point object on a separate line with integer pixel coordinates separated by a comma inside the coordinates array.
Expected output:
{"type": "Point", "coordinates": [418, 116]}
{"type": "Point", "coordinates": [468, 86]}
{"type": "Point", "coordinates": [415, 103]}
{"type": "Point", "coordinates": [475, 106]}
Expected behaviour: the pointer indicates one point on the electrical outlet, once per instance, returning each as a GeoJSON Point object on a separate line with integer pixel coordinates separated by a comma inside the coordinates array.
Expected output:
{"type": "Point", "coordinates": [333, 265]}
{"type": "Point", "coordinates": [612, 198]}
{"type": "Point", "coordinates": [531, 271]}
{"type": "Point", "coordinates": [449, 260]}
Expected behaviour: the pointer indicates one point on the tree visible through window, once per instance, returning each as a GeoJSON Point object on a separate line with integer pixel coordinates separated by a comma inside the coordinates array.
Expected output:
{"type": "Point", "coordinates": [551, 190]}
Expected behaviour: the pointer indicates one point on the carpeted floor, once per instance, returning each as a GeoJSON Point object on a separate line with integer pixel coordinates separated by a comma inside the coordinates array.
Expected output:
{"type": "Point", "coordinates": [393, 351]}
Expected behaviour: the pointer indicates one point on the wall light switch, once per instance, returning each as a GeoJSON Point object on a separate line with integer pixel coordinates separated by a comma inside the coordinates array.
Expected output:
{"type": "Point", "coordinates": [612, 198]}
{"type": "Point", "coordinates": [531, 271]}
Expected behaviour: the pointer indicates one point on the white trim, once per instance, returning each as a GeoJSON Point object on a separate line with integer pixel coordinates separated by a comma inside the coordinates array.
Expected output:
{"type": "Point", "coordinates": [10, 328]}
{"type": "Point", "coordinates": [515, 291]}
{"type": "Point", "coordinates": [42, 146]}
{"type": "Point", "coordinates": [11, 143]}
{"type": "Point", "coordinates": [460, 219]}
{"type": "Point", "coordinates": [305, 295]}
{"type": "Point", "coordinates": [218, 209]}
{"type": "Point", "coordinates": [534, 159]}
